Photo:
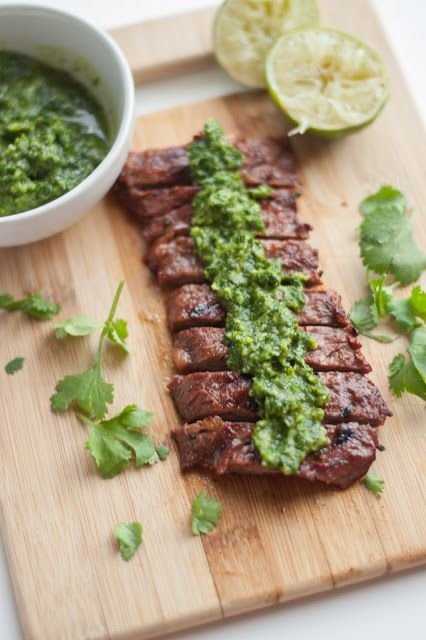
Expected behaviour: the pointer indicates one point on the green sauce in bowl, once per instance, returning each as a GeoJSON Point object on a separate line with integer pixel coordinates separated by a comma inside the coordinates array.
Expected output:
{"type": "Point", "coordinates": [53, 133]}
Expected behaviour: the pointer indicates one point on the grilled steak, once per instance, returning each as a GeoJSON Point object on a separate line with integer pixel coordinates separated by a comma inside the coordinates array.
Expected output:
{"type": "Point", "coordinates": [323, 308]}
{"type": "Point", "coordinates": [224, 393]}
{"type": "Point", "coordinates": [267, 161]}
{"type": "Point", "coordinates": [227, 394]}
{"type": "Point", "coordinates": [296, 256]}
{"type": "Point", "coordinates": [194, 305]}
{"type": "Point", "coordinates": [147, 203]}
{"type": "Point", "coordinates": [219, 447]}
{"type": "Point", "coordinates": [197, 306]}
{"type": "Point", "coordinates": [175, 263]}
{"type": "Point", "coordinates": [156, 167]}
{"type": "Point", "coordinates": [203, 349]}
{"type": "Point", "coordinates": [279, 215]}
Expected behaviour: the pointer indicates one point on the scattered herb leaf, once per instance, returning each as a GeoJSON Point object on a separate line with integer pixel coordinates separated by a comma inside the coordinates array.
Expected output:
{"type": "Point", "coordinates": [14, 365]}
{"type": "Point", "coordinates": [33, 305]}
{"type": "Point", "coordinates": [115, 442]}
{"type": "Point", "coordinates": [374, 484]}
{"type": "Point", "coordinates": [206, 513]}
{"type": "Point", "coordinates": [117, 332]}
{"type": "Point", "coordinates": [385, 197]}
{"type": "Point", "coordinates": [129, 536]}
{"type": "Point", "coordinates": [76, 326]}
{"type": "Point", "coordinates": [88, 390]}
{"type": "Point", "coordinates": [386, 239]}
{"type": "Point", "coordinates": [162, 452]}
{"type": "Point", "coordinates": [403, 376]}
{"type": "Point", "coordinates": [418, 302]}
{"type": "Point", "coordinates": [364, 317]}
{"type": "Point", "coordinates": [417, 350]}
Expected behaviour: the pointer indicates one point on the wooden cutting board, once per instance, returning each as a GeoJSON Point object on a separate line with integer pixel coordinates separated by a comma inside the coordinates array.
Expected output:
{"type": "Point", "coordinates": [279, 538]}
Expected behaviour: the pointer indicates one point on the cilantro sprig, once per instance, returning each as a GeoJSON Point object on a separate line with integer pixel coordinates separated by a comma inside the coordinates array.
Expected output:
{"type": "Point", "coordinates": [34, 305]}
{"type": "Point", "coordinates": [116, 442]}
{"type": "Point", "coordinates": [88, 390]}
{"type": "Point", "coordinates": [388, 249]}
{"type": "Point", "coordinates": [206, 513]}
{"type": "Point", "coordinates": [129, 536]}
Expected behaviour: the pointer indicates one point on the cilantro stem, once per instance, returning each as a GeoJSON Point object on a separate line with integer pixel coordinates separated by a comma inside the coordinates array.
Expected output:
{"type": "Point", "coordinates": [108, 321]}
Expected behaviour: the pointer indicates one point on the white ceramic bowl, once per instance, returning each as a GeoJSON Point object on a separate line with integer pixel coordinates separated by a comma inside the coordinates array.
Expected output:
{"type": "Point", "coordinates": [65, 41]}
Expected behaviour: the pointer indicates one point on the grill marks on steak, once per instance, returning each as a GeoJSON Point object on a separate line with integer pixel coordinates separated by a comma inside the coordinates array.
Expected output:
{"type": "Point", "coordinates": [227, 394]}
{"type": "Point", "coordinates": [278, 212]}
{"type": "Point", "coordinates": [220, 447]}
{"type": "Point", "coordinates": [156, 186]}
{"type": "Point", "coordinates": [204, 349]}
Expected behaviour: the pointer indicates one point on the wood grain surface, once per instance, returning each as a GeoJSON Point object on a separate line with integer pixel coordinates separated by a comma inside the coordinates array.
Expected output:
{"type": "Point", "coordinates": [279, 538]}
{"type": "Point", "coordinates": [166, 47]}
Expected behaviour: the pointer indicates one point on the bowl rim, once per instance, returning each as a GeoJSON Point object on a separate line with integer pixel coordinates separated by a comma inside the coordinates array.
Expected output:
{"type": "Point", "coordinates": [126, 121]}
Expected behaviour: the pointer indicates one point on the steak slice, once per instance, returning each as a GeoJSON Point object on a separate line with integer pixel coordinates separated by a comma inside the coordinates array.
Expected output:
{"type": "Point", "coordinates": [296, 256]}
{"type": "Point", "coordinates": [147, 203]}
{"type": "Point", "coordinates": [323, 308]}
{"type": "Point", "coordinates": [156, 167]}
{"type": "Point", "coordinates": [267, 161]}
{"type": "Point", "coordinates": [204, 349]}
{"type": "Point", "coordinates": [194, 305]}
{"type": "Point", "coordinates": [338, 350]}
{"type": "Point", "coordinates": [279, 215]}
{"type": "Point", "coordinates": [197, 305]}
{"type": "Point", "coordinates": [220, 447]}
{"type": "Point", "coordinates": [227, 394]}
{"type": "Point", "coordinates": [175, 262]}
{"type": "Point", "coordinates": [354, 398]}
{"type": "Point", "coordinates": [174, 223]}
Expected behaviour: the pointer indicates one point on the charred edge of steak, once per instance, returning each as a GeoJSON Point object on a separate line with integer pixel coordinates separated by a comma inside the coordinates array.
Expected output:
{"type": "Point", "coordinates": [354, 398]}
{"type": "Point", "coordinates": [196, 305]}
{"type": "Point", "coordinates": [221, 447]}
{"type": "Point", "coordinates": [204, 349]}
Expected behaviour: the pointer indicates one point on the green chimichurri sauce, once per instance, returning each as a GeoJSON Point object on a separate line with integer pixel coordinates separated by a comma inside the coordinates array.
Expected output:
{"type": "Point", "coordinates": [52, 133]}
{"type": "Point", "coordinates": [262, 333]}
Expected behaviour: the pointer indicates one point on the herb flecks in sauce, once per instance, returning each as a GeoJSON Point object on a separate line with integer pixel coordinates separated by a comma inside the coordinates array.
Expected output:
{"type": "Point", "coordinates": [262, 333]}
{"type": "Point", "coordinates": [52, 133]}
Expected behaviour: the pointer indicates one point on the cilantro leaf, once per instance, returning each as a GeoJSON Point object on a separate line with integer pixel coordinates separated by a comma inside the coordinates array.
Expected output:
{"type": "Point", "coordinates": [374, 484]}
{"type": "Point", "coordinates": [14, 365]}
{"type": "Point", "coordinates": [385, 197]}
{"type": "Point", "coordinates": [386, 240]}
{"type": "Point", "coordinates": [88, 390]}
{"type": "Point", "coordinates": [162, 452]}
{"type": "Point", "coordinates": [417, 350]}
{"type": "Point", "coordinates": [364, 317]}
{"type": "Point", "coordinates": [33, 305]}
{"type": "Point", "coordinates": [206, 513]}
{"type": "Point", "coordinates": [418, 302]}
{"type": "Point", "coordinates": [114, 443]}
{"type": "Point", "coordinates": [403, 314]}
{"type": "Point", "coordinates": [117, 332]}
{"type": "Point", "coordinates": [129, 536]}
{"type": "Point", "coordinates": [76, 326]}
{"type": "Point", "coordinates": [403, 376]}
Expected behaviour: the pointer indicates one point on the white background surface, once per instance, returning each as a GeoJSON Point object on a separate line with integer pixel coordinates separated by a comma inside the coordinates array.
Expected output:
{"type": "Point", "coordinates": [389, 608]}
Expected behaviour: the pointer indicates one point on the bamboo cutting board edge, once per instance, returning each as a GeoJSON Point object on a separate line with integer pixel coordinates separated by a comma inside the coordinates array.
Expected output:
{"type": "Point", "coordinates": [392, 532]}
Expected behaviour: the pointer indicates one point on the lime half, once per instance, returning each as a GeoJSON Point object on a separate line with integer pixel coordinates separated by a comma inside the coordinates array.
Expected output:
{"type": "Point", "coordinates": [326, 81]}
{"type": "Point", "coordinates": [245, 30]}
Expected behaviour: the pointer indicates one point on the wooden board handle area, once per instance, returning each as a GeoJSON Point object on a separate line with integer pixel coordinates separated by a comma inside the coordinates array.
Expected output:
{"type": "Point", "coordinates": [165, 47]}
